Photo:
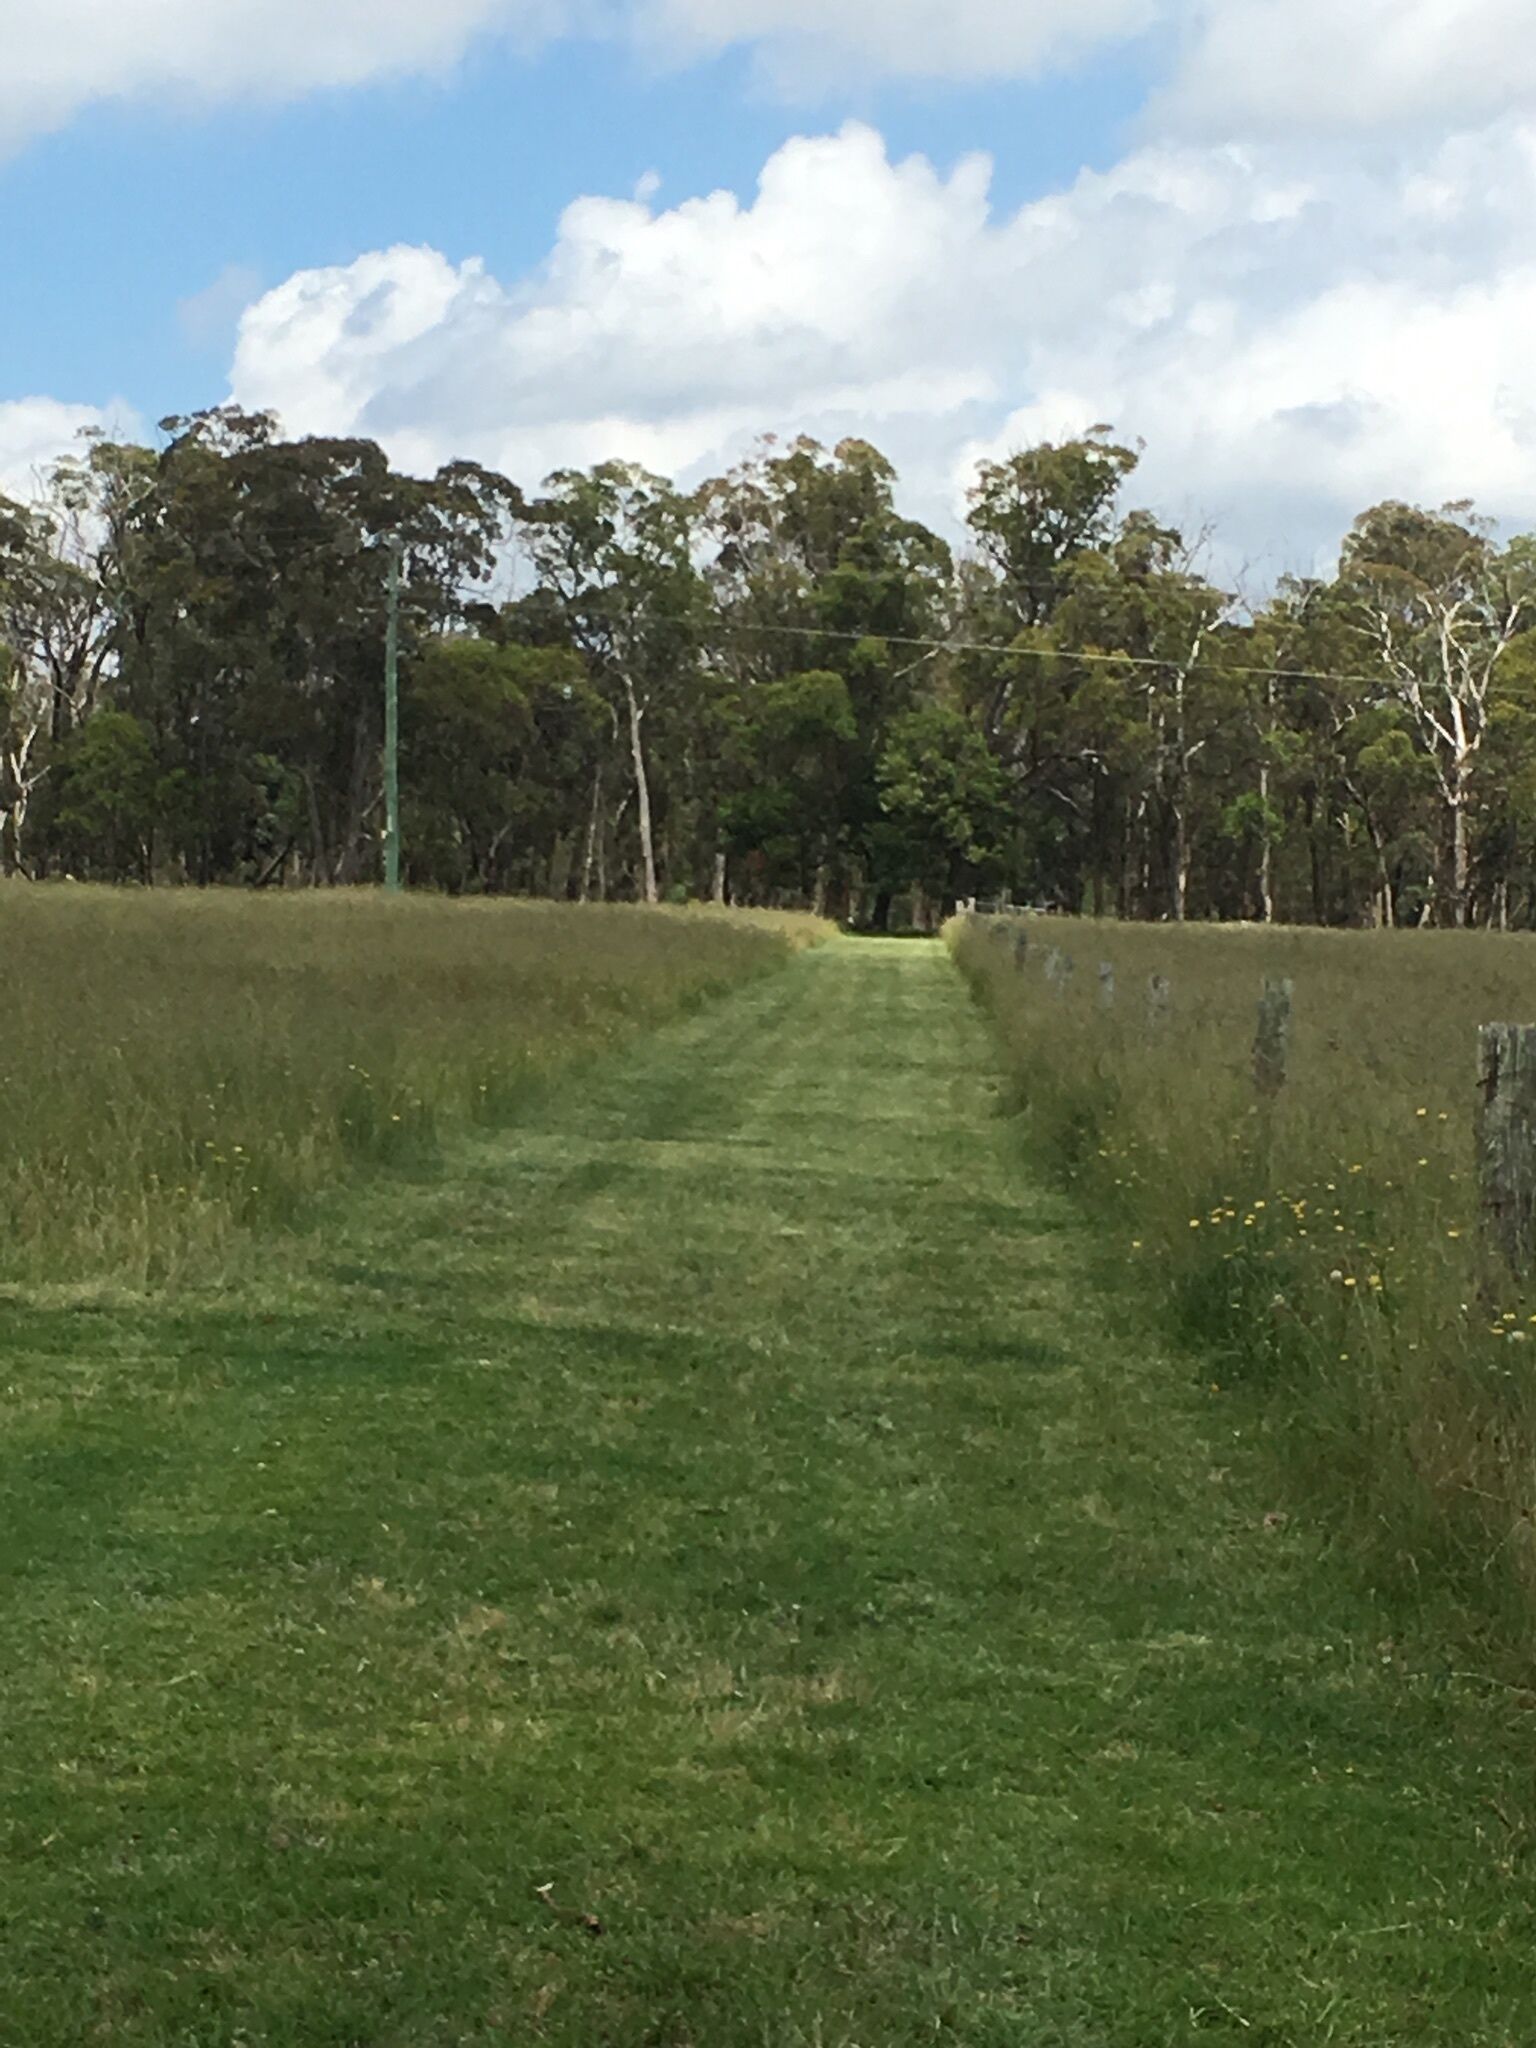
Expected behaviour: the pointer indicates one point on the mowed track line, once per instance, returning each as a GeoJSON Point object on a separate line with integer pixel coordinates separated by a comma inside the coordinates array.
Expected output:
{"type": "Point", "coordinates": [721, 1499]}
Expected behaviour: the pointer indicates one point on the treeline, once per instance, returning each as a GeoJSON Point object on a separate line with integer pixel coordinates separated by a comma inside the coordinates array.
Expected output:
{"type": "Point", "coordinates": [773, 690]}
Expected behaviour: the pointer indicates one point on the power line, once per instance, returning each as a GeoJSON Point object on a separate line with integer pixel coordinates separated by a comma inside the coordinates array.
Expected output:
{"type": "Point", "coordinates": [381, 548]}
{"type": "Point", "coordinates": [1158, 661]}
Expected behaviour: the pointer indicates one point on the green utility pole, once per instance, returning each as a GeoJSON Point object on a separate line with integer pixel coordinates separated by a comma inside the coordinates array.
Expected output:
{"type": "Point", "coordinates": [392, 727]}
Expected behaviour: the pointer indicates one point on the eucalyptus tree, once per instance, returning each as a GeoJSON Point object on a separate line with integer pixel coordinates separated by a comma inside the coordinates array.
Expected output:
{"type": "Point", "coordinates": [56, 627]}
{"type": "Point", "coordinates": [498, 744]}
{"type": "Point", "coordinates": [1035, 512]}
{"type": "Point", "coordinates": [55, 607]}
{"type": "Point", "coordinates": [946, 796]}
{"type": "Point", "coordinates": [249, 579]}
{"type": "Point", "coordinates": [1438, 603]}
{"type": "Point", "coordinates": [1137, 606]}
{"type": "Point", "coordinates": [613, 546]}
{"type": "Point", "coordinates": [831, 608]}
{"type": "Point", "coordinates": [25, 696]}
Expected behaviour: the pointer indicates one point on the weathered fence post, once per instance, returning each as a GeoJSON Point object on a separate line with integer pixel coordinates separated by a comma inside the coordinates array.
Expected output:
{"type": "Point", "coordinates": [1506, 1139]}
{"type": "Point", "coordinates": [1058, 968]}
{"type": "Point", "coordinates": [1106, 985]}
{"type": "Point", "coordinates": [1159, 1003]}
{"type": "Point", "coordinates": [1272, 1041]}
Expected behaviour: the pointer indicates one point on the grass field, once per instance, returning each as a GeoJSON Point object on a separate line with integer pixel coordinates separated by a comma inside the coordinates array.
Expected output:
{"type": "Point", "coordinates": [176, 1067]}
{"type": "Point", "coordinates": [1329, 1249]}
{"type": "Point", "coordinates": [724, 1498]}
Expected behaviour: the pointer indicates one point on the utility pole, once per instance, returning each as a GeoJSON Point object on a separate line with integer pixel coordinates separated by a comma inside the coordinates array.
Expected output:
{"type": "Point", "coordinates": [392, 727]}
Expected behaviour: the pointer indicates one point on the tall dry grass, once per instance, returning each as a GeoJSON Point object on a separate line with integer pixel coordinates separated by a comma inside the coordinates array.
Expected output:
{"type": "Point", "coordinates": [177, 1069]}
{"type": "Point", "coordinates": [1329, 1247]}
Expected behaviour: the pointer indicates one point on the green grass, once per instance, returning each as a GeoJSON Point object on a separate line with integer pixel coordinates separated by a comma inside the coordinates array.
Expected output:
{"type": "Point", "coordinates": [725, 1499]}
{"type": "Point", "coordinates": [1327, 1249]}
{"type": "Point", "coordinates": [180, 1070]}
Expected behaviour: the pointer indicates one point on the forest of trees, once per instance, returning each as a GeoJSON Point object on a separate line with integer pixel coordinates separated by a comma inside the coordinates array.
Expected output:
{"type": "Point", "coordinates": [772, 689]}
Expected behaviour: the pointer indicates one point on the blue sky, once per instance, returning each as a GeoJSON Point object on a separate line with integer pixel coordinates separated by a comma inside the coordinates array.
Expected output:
{"type": "Point", "coordinates": [1285, 244]}
{"type": "Point", "coordinates": [113, 223]}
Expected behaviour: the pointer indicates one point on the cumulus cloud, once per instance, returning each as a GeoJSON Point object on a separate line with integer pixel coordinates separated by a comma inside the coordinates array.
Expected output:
{"type": "Point", "coordinates": [663, 336]}
{"type": "Point", "coordinates": [1294, 335]}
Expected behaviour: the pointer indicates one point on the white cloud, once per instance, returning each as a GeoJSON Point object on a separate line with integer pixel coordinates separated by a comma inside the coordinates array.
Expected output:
{"type": "Point", "coordinates": [809, 42]}
{"type": "Point", "coordinates": [1288, 66]}
{"type": "Point", "coordinates": [1233, 67]}
{"type": "Point", "coordinates": [1293, 334]}
{"type": "Point", "coordinates": [36, 432]}
{"type": "Point", "coordinates": [63, 55]}
{"type": "Point", "coordinates": [663, 336]}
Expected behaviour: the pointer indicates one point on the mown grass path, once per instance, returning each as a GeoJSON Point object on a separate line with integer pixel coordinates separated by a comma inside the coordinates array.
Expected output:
{"type": "Point", "coordinates": [721, 1499]}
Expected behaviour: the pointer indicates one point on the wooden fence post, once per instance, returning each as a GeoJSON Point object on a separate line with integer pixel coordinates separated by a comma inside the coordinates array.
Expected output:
{"type": "Point", "coordinates": [1058, 968]}
{"type": "Point", "coordinates": [1272, 1042]}
{"type": "Point", "coordinates": [1506, 1139]}
{"type": "Point", "coordinates": [1106, 985]}
{"type": "Point", "coordinates": [1159, 1003]}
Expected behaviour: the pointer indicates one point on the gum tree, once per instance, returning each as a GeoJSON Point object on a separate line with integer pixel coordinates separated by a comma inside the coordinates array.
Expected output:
{"type": "Point", "coordinates": [614, 545]}
{"type": "Point", "coordinates": [1438, 602]}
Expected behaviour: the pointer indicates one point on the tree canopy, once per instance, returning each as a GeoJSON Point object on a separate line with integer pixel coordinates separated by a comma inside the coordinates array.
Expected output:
{"type": "Point", "coordinates": [772, 688]}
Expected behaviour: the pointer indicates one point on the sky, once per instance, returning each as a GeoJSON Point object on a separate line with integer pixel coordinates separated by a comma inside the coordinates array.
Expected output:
{"type": "Point", "coordinates": [1288, 245]}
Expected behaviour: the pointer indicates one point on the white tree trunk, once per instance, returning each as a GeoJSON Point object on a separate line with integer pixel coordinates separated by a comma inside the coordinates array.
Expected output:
{"type": "Point", "coordinates": [1461, 852]}
{"type": "Point", "coordinates": [1267, 853]}
{"type": "Point", "coordinates": [1180, 862]}
{"type": "Point", "coordinates": [594, 826]}
{"type": "Point", "coordinates": [642, 793]}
